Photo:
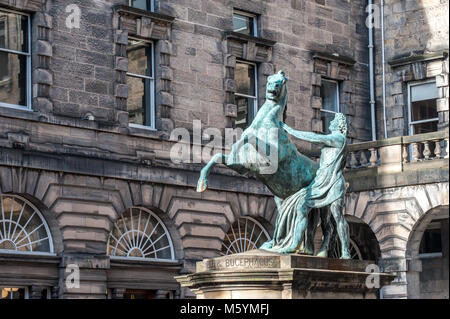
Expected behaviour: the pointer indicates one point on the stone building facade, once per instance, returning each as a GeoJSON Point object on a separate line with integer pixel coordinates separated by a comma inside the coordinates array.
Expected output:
{"type": "Point", "coordinates": [85, 157]}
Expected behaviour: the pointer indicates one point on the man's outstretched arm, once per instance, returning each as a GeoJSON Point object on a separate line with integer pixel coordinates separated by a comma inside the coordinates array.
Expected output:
{"type": "Point", "coordinates": [331, 140]}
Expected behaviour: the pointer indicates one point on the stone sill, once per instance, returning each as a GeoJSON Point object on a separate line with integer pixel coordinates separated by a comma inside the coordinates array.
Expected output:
{"type": "Point", "coordinates": [35, 116]}
{"type": "Point", "coordinates": [35, 258]}
{"type": "Point", "coordinates": [230, 35]}
{"type": "Point", "coordinates": [135, 263]}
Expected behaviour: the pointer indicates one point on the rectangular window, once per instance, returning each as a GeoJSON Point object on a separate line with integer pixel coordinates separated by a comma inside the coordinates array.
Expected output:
{"type": "Point", "coordinates": [245, 23]}
{"type": "Point", "coordinates": [330, 102]}
{"type": "Point", "coordinates": [15, 60]}
{"type": "Point", "coordinates": [141, 101]}
{"type": "Point", "coordinates": [148, 5]}
{"type": "Point", "coordinates": [246, 96]}
{"type": "Point", "coordinates": [431, 242]}
{"type": "Point", "coordinates": [423, 116]}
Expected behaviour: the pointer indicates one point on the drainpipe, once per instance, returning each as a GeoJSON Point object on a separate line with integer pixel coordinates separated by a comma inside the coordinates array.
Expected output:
{"type": "Point", "coordinates": [384, 69]}
{"type": "Point", "coordinates": [372, 77]}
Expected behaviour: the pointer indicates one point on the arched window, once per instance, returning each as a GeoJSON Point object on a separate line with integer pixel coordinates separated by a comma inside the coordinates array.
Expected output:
{"type": "Point", "coordinates": [139, 233]}
{"type": "Point", "coordinates": [22, 227]}
{"type": "Point", "coordinates": [245, 234]}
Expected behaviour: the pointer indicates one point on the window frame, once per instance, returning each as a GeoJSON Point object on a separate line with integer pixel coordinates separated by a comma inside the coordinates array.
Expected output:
{"type": "Point", "coordinates": [434, 224]}
{"type": "Point", "coordinates": [238, 248]}
{"type": "Point", "coordinates": [3, 216]}
{"type": "Point", "coordinates": [152, 5]}
{"type": "Point", "coordinates": [28, 54]}
{"type": "Point", "coordinates": [250, 15]}
{"type": "Point", "coordinates": [167, 233]}
{"type": "Point", "coordinates": [152, 126]}
{"type": "Point", "coordinates": [255, 97]}
{"type": "Point", "coordinates": [410, 122]}
{"type": "Point", "coordinates": [338, 106]}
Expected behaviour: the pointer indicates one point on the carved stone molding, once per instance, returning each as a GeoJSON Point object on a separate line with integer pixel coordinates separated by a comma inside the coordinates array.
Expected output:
{"type": "Point", "coordinates": [332, 66]}
{"type": "Point", "coordinates": [27, 5]}
{"type": "Point", "coordinates": [249, 48]}
{"type": "Point", "coordinates": [142, 23]}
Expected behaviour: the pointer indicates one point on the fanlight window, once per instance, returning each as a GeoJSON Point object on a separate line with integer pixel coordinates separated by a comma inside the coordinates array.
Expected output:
{"type": "Point", "coordinates": [245, 234]}
{"type": "Point", "coordinates": [355, 253]}
{"type": "Point", "coordinates": [139, 233]}
{"type": "Point", "coordinates": [22, 227]}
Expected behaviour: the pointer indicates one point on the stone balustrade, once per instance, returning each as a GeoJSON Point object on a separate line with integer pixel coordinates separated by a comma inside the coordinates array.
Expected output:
{"type": "Point", "coordinates": [392, 153]}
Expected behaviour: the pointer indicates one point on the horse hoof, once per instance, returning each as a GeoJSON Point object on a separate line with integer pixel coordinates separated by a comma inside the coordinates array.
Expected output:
{"type": "Point", "coordinates": [346, 256]}
{"type": "Point", "coordinates": [202, 185]}
{"type": "Point", "coordinates": [322, 253]}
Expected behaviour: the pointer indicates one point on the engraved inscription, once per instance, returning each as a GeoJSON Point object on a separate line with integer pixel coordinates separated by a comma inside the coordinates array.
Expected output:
{"type": "Point", "coordinates": [243, 262]}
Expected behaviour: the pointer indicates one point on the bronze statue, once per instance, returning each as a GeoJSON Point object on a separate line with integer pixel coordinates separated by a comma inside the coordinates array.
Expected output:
{"type": "Point", "coordinates": [298, 183]}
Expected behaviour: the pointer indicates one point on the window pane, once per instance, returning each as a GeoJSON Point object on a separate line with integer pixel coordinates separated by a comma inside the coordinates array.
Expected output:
{"type": "Point", "coordinates": [243, 24]}
{"type": "Point", "coordinates": [13, 81]}
{"type": "Point", "coordinates": [425, 91]}
{"type": "Point", "coordinates": [244, 75]}
{"type": "Point", "coordinates": [431, 241]}
{"type": "Point", "coordinates": [425, 127]}
{"type": "Point", "coordinates": [329, 93]}
{"type": "Point", "coordinates": [139, 58]}
{"type": "Point", "coordinates": [141, 4]}
{"type": "Point", "coordinates": [326, 120]}
{"type": "Point", "coordinates": [246, 111]}
{"type": "Point", "coordinates": [138, 103]}
{"type": "Point", "coordinates": [13, 31]}
{"type": "Point", "coordinates": [424, 110]}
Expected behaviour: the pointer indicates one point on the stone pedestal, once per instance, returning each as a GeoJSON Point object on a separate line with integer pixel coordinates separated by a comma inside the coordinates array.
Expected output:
{"type": "Point", "coordinates": [258, 274]}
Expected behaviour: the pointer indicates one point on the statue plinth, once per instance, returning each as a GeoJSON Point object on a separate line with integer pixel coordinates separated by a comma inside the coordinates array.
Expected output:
{"type": "Point", "coordinates": [259, 274]}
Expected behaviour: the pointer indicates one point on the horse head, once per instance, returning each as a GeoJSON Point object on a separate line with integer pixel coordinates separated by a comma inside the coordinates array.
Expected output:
{"type": "Point", "coordinates": [276, 90]}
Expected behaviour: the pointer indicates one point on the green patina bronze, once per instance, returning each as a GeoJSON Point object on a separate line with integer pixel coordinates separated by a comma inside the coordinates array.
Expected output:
{"type": "Point", "coordinates": [298, 183]}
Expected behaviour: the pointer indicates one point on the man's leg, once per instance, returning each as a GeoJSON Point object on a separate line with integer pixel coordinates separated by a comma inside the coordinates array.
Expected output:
{"type": "Point", "coordinates": [342, 226]}
{"type": "Point", "coordinates": [327, 229]}
{"type": "Point", "coordinates": [313, 221]}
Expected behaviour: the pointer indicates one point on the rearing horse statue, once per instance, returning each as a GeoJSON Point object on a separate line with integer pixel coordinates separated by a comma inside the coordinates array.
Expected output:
{"type": "Point", "coordinates": [293, 170]}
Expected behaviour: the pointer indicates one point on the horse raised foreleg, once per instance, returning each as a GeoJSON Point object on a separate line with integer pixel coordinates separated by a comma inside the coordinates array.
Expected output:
{"type": "Point", "coordinates": [202, 183]}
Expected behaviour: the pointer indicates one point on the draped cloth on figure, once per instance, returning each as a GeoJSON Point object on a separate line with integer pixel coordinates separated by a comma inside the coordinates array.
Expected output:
{"type": "Point", "coordinates": [327, 186]}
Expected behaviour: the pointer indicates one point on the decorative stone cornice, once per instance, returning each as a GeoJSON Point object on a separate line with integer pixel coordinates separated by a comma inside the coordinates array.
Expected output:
{"type": "Point", "coordinates": [142, 23]}
{"type": "Point", "coordinates": [248, 47]}
{"type": "Point", "coordinates": [27, 5]}
{"type": "Point", "coordinates": [417, 57]}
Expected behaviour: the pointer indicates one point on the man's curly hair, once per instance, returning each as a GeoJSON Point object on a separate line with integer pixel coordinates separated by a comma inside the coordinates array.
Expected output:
{"type": "Point", "coordinates": [342, 123]}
